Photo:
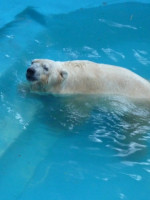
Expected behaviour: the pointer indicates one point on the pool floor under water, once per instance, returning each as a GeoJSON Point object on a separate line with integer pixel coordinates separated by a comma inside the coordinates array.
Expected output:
{"type": "Point", "coordinates": [78, 147]}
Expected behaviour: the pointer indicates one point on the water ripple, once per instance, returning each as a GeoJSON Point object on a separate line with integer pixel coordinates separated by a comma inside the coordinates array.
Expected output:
{"type": "Point", "coordinates": [123, 125]}
{"type": "Point", "coordinates": [117, 25]}
{"type": "Point", "coordinates": [135, 177]}
{"type": "Point", "coordinates": [112, 54]}
{"type": "Point", "coordinates": [140, 57]}
{"type": "Point", "coordinates": [91, 53]}
{"type": "Point", "coordinates": [70, 52]}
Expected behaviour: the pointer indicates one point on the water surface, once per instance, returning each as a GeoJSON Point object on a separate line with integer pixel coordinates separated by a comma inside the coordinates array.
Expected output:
{"type": "Point", "coordinates": [74, 147]}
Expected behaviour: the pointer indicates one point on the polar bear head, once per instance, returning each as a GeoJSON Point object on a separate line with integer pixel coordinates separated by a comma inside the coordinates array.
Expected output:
{"type": "Point", "coordinates": [46, 73]}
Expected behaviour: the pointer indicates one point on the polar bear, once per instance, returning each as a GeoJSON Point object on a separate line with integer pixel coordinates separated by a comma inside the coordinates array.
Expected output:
{"type": "Point", "coordinates": [85, 77]}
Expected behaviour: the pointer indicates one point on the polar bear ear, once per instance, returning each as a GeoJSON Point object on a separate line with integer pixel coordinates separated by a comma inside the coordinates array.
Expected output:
{"type": "Point", "coordinates": [63, 74]}
{"type": "Point", "coordinates": [34, 61]}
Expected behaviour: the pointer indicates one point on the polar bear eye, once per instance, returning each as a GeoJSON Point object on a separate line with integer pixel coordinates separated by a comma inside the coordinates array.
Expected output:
{"type": "Point", "coordinates": [45, 68]}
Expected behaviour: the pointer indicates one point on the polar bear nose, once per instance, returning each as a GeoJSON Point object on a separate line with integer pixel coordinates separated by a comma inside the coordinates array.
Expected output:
{"type": "Point", "coordinates": [30, 75]}
{"type": "Point", "coordinates": [31, 71]}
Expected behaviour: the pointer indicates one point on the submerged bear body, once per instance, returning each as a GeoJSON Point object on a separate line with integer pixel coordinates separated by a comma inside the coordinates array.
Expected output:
{"type": "Point", "coordinates": [85, 77]}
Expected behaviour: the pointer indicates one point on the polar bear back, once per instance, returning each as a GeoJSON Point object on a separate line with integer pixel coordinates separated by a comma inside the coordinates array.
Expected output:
{"type": "Point", "coordinates": [93, 78]}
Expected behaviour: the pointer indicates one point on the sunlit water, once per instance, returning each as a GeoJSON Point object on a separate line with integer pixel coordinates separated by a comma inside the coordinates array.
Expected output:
{"type": "Point", "coordinates": [74, 147]}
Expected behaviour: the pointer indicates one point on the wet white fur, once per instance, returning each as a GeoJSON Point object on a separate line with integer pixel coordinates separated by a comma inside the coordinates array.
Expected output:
{"type": "Point", "coordinates": [85, 77]}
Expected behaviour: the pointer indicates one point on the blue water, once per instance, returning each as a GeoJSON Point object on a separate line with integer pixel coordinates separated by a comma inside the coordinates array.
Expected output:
{"type": "Point", "coordinates": [60, 148]}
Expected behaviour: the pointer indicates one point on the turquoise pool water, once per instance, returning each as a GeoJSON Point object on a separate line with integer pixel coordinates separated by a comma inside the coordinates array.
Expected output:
{"type": "Point", "coordinates": [61, 148]}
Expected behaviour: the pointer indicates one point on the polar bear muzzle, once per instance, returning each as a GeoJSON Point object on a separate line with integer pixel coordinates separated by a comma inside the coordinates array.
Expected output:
{"type": "Point", "coordinates": [30, 74]}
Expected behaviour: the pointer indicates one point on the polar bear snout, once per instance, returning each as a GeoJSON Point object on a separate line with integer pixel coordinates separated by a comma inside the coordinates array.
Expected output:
{"type": "Point", "coordinates": [30, 74]}
{"type": "Point", "coordinates": [30, 71]}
